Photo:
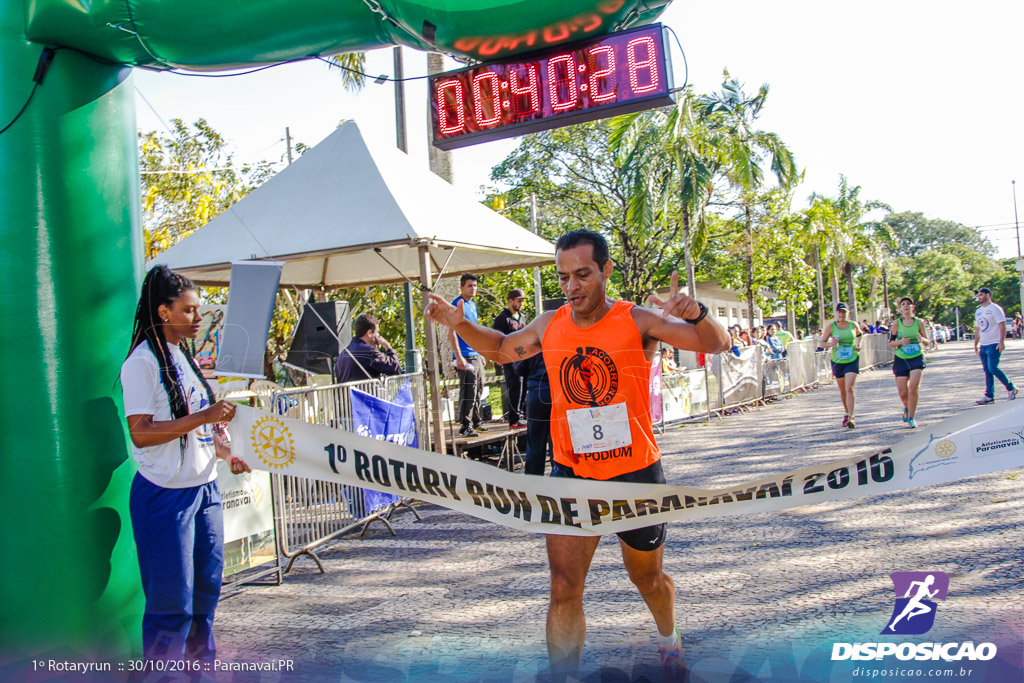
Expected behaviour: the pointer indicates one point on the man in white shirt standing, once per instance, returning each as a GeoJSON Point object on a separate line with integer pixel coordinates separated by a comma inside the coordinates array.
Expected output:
{"type": "Point", "coordinates": [989, 333]}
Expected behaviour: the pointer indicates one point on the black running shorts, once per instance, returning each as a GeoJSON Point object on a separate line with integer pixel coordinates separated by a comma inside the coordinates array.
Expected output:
{"type": "Point", "coordinates": [646, 538]}
{"type": "Point", "coordinates": [901, 367]}
{"type": "Point", "coordinates": [841, 369]}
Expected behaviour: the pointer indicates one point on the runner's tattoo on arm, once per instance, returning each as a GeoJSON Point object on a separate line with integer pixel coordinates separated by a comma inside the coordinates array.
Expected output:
{"type": "Point", "coordinates": [520, 351]}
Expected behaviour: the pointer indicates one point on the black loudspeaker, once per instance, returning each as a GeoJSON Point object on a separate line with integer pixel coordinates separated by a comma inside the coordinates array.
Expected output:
{"type": "Point", "coordinates": [323, 331]}
{"type": "Point", "coordinates": [553, 304]}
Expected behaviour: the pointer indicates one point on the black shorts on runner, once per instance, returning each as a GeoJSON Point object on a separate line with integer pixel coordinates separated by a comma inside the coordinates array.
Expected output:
{"type": "Point", "coordinates": [901, 367]}
{"type": "Point", "coordinates": [646, 538]}
{"type": "Point", "coordinates": [840, 369]}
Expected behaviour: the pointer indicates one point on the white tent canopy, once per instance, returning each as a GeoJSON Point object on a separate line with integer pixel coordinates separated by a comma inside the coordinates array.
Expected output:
{"type": "Point", "coordinates": [329, 212]}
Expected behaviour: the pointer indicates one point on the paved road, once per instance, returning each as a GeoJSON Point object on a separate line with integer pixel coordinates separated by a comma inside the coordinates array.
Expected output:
{"type": "Point", "coordinates": [759, 597]}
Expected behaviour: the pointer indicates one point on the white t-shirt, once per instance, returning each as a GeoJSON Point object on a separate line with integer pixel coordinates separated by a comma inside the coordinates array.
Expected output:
{"type": "Point", "coordinates": [168, 465]}
{"type": "Point", "coordinates": [986, 321]}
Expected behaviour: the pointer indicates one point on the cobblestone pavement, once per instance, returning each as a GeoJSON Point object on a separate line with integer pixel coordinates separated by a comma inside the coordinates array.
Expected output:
{"type": "Point", "coordinates": [759, 597]}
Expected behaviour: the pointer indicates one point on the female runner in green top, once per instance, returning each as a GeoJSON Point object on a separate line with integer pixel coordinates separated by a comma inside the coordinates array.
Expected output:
{"type": "Point", "coordinates": [841, 334]}
{"type": "Point", "coordinates": [907, 337]}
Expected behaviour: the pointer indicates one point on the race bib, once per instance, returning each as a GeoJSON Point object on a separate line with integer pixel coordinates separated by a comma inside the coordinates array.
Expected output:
{"type": "Point", "coordinates": [597, 429]}
{"type": "Point", "coordinates": [844, 353]}
{"type": "Point", "coordinates": [911, 349]}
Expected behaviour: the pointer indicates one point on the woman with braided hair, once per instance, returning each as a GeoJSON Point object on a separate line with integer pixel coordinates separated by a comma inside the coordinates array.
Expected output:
{"type": "Point", "coordinates": [177, 431]}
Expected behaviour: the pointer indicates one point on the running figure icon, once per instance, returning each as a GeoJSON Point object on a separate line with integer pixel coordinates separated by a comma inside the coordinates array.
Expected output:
{"type": "Point", "coordinates": [915, 607]}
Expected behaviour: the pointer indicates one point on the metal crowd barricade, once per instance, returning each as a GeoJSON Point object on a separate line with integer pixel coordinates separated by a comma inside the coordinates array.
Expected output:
{"type": "Point", "coordinates": [728, 381]}
{"type": "Point", "coordinates": [685, 394]}
{"type": "Point", "coordinates": [309, 512]}
{"type": "Point", "coordinates": [875, 351]}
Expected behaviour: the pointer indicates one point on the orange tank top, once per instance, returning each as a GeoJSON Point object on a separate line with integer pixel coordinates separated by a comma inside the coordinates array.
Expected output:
{"type": "Point", "coordinates": [596, 366]}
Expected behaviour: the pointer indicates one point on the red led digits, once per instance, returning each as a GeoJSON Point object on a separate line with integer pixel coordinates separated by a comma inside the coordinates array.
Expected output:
{"type": "Point", "coordinates": [605, 76]}
{"type": "Point", "coordinates": [562, 89]}
{"type": "Point", "coordinates": [580, 81]}
{"type": "Point", "coordinates": [454, 101]}
{"type": "Point", "coordinates": [492, 101]}
{"type": "Point", "coordinates": [650, 63]}
{"type": "Point", "coordinates": [531, 89]}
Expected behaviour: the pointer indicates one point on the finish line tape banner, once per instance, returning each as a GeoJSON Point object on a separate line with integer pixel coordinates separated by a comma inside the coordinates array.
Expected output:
{"type": "Point", "coordinates": [976, 442]}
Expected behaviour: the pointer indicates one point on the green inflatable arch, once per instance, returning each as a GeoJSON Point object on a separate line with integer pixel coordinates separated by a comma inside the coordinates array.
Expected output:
{"type": "Point", "coordinates": [71, 256]}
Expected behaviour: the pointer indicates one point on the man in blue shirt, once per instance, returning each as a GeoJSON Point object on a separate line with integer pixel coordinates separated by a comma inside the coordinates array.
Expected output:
{"type": "Point", "coordinates": [362, 358]}
{"type": "Point", "coordinates": [469, 363]}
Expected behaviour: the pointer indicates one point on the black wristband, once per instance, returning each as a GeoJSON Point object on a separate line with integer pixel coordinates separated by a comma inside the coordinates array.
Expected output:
{"type": "Point", "coordinates": [703, 314]}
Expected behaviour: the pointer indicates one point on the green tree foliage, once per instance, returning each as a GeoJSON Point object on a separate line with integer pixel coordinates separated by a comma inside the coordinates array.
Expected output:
{"type": "Point", "coordinates": [853, 244]}
{"type": "Point", "coordinates": [916, 234]}
{"type": "Point", "coordinates": [606, 178]}
{"type": "Point", "coordinates": [189, 176]}
{"type": "Point", "coordinates": [743, 151]}
{"type": "Point", "coordinates": [941, 262]}
{"type": "Point", "coordinates": [387, 304]}
{"type": "Point", "coordinates": [937, 281]}
{"type": "Point", "coordinates": [352, 66]}
{"type": "Point", "coordinates": [779, 269]}
{"type": "Point", "coordinates": [693, 184]}
{"type": "Point", "coordinates": [1005, 286]}
{"type": "Point", "coordinates": [691, 157]}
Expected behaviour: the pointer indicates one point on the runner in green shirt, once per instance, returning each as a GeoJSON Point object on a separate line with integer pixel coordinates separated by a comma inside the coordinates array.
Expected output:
{"type": "Point", "coordinates": [907, 337]}
{"type": "Point", "coordinates": [841, 335]}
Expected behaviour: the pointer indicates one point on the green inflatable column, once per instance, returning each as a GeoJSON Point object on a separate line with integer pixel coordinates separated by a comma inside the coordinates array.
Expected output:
{"type": "Point", "coordinates": [70, 265]}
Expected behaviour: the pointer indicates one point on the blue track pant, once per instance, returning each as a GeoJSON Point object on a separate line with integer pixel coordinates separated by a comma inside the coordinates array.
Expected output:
{"type": "Point", "coordinates": [989, 354]}
{"type": "Point", "coordinates": [179, 534]}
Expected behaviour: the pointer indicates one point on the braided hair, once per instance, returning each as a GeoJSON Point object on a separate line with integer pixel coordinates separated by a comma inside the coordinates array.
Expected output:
{"type": "Point", "coordinates": [162, 286]}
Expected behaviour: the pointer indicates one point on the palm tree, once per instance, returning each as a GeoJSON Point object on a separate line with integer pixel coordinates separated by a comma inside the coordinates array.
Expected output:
{"type": "Point", "coordinates": [743, 151]}
{"type": "Point", "coordinates": [352, 66]}
{"type": "Point", "coordinates": [696, 161]}
{"type": "Point", "coordinates": [689, 157]}
{"type": "Point", "coordinates": [817, 223]}
{"type": "Point", "coordinates": [644, 163]}
{"type": "Point", "coordinates": [856, 242]}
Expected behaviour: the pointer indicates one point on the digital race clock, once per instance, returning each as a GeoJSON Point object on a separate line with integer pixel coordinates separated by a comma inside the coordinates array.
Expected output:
{"type": "Point", "coordinates": [615, 74]}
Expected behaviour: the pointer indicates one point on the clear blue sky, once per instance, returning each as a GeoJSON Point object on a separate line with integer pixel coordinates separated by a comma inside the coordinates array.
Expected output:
{"type": "Point", "coordinates": [918, 102]}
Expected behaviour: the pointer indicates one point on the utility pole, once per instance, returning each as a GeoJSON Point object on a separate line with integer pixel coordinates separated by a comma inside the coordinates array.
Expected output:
{"type": "Point", "coordinates": [440, 159]}
{"type": "Point", "coordinates": [411, 364]}
{"type": "Point", "coordinates": [538, 302]}
{"type": "Point", "coordinates": [1020, 264]}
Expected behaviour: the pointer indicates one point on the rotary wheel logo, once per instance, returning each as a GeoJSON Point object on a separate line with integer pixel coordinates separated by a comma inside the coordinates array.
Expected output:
{"type": "Point", "coordinates": [590, 377]}
{"type": "Point", "coordinates": [272, 442]}
{"type": "Point", "coordinates": [945, 448]}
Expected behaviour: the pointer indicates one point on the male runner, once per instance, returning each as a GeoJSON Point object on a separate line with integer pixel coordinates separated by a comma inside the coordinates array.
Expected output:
{"type": "Point", "coordinates": [598, 353]}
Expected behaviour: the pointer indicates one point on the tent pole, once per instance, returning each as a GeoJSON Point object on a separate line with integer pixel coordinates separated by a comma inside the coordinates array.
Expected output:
{"type": "Point", "coordinates": [537, 294]}
{"type": "Point", "coordinates": [433, 369]}
{"type": "Point", "coordinates": [400, 139]}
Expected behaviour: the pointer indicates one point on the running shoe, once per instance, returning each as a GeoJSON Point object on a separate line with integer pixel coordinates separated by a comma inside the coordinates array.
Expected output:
{"type": "Point", "coordinates": [673, 664]}
{"type": "Point", "coordinates": [850, 423]}
{"type": "Point", "coordinates": [906, 414]}
{"type": "Point", "coordinates": [517, 425]}
{"type": "Point", "coordinates": [467, 432]}
{"type": "Point", "coordinates": [1011, 394]}
{"type": "Point", "coordinates": [479, 427]}
{"type": "Point", "coordinates": [911, 423]}
{"type": "Point", "coordinates": [985, 400]}
{"type": "Point", "coordinates": [846, 420]}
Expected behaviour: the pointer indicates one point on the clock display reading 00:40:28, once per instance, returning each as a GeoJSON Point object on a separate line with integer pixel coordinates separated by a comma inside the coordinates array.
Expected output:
{"type": "Point", "coordinates": [615, 74]}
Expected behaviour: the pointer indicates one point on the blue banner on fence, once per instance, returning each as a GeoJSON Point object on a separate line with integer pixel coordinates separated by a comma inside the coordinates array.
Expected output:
{"type": "Point", "coordinates": [386, 421]}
